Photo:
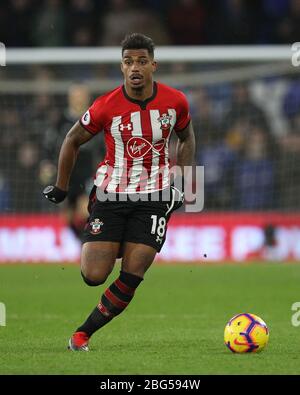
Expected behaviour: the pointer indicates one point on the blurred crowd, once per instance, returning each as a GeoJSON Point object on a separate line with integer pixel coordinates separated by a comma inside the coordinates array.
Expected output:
{"type": "Point", "coordinates": [248, 144]}
{"type": "Point", "coordinates": [251, 154]}
{"type": "Point", "coordinates": [32, 131]}
{"type": "Point", "coordinates": [26, 23]}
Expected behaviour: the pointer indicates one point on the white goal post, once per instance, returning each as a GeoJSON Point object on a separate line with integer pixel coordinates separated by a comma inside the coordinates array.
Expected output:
{"type": "Point", "coordinates": [241, 63]}
{"type": "Point", "coordinates": [163, 54]}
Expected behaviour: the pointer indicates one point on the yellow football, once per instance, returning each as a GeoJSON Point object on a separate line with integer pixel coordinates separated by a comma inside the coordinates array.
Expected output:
{"type": "Point", "coordinates": [246, 332]}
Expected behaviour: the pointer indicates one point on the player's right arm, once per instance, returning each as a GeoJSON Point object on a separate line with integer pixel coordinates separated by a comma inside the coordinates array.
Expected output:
{"type": "Point", "coordinates": [67, 158]}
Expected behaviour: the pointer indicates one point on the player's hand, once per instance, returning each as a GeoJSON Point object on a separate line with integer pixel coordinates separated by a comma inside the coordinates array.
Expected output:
{"type": "Point", "coordinates": [177, 197]}
{"type": "Point", "coordinates": [54, 194]}
{"type": "Point", "coordinates": [176, 200]}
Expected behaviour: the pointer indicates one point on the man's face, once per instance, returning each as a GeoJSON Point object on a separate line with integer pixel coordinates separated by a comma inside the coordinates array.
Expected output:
{"type": "Point", "coordinates": [137, 67]}
{"type": "Point", "coordinates": [79, 98]}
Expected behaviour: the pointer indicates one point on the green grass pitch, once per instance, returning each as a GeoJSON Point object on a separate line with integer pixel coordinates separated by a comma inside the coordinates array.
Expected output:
{"type": "Point", "coordinates": [174, 324]}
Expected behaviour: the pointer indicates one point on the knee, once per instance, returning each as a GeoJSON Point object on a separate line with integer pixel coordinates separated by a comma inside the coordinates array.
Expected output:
{"type": "Point", "coordinates": [93, 279]}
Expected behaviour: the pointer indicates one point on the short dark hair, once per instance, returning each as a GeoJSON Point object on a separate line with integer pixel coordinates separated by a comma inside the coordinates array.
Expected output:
{"type": "Point", "coordinates": [138, 41]}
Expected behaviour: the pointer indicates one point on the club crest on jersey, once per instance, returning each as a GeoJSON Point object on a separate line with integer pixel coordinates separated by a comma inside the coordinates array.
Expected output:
{"type": "Point", "coordinates": [96, 226]}
{"type": "Point", "coordinates": [138, 147]}
{"type": "Point", "coordinates": [165, 121]}
{"type": "Point", "coordinates": [127, 126]}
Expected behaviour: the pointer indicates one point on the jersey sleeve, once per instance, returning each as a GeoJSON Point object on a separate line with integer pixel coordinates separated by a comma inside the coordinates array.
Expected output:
{"type": "Point", "coordinates": [183, 114]}
{"type": "Point", "coordinates": [92, 119]}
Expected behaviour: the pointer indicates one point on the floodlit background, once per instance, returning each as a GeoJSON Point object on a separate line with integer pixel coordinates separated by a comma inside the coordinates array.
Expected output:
{"type": "Point", "coordinates": [232, 58]}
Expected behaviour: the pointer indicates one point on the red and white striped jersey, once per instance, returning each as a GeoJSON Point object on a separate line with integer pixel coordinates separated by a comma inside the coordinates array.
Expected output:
{"type": "Point", "coordinates": [137, 137]}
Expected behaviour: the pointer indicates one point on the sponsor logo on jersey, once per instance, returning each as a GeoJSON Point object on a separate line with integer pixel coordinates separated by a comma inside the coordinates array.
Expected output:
{"type": "Point", "coordinates": [96, 226]}
{"type": "Point", "coordinates": [127, 126]}
{"type": "Point", "coordinates": [86, 118]}
{"type": "Point", "coordinates": [138, 147]}
{"type": "Point", "coordinates": [165, 121]}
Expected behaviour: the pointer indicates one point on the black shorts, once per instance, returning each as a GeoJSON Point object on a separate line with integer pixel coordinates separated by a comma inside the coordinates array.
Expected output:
{"type": "Point", "coordinates": [133, 221]}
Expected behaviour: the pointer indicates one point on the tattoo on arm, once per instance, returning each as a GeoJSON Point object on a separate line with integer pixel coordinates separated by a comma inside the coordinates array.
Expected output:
{"type": "Point", "coordinates": [78, 135]}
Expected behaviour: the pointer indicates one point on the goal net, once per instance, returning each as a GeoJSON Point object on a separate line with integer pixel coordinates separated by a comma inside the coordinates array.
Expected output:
{"type": "Point", "coordinates": [245, 106]}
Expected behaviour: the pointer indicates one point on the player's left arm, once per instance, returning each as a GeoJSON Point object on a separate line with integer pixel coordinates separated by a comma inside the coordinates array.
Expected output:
{"type": "Point", "coordinates": [185, 151]}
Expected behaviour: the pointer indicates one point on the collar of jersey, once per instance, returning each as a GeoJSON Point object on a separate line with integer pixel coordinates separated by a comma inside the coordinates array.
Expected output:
{"type": "Point", "coordinates": [141, 103]}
